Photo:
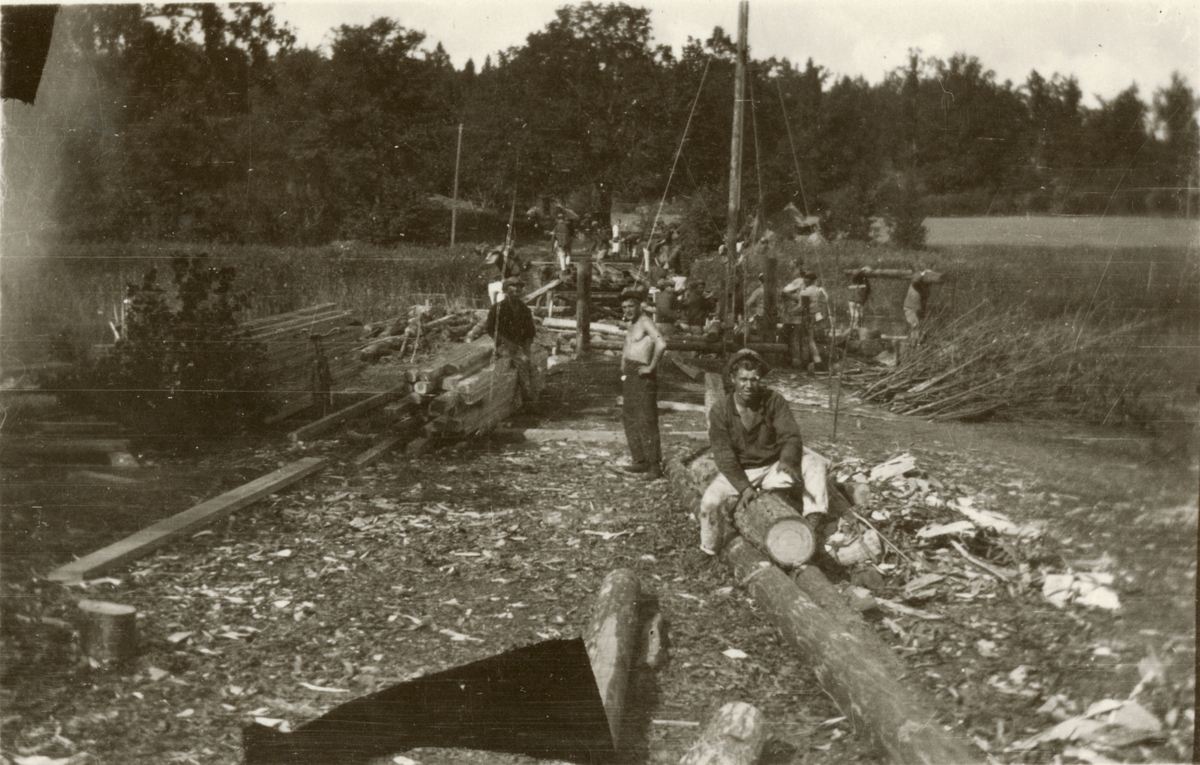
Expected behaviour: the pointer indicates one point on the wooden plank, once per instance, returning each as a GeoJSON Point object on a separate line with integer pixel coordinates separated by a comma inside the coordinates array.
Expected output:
{"type": "Point", "coordinates": [596, 326]}
{"type": "Point", "coordinates": [547, 287]}
{"type": "Point", "coordinates": [378, 450]}
{"type": "Point", "coordinates": [152, 537]}
{"type": "Point", "coordinates": [543, 435]}
{"type": "Point", "coordinates": [354, 410]}
{"type": "Point", "coordinates": [41, 446]}
{"type": "Point", "coordinates": [671, 406]}
{"type": "Point", "coordinates": [299, 319]}
{"type": "Point", "coordinates": [675, 344]}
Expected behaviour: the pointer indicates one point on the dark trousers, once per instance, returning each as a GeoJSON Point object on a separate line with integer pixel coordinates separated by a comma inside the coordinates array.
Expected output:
{"type": "Point", "coordinates": [641, 418]}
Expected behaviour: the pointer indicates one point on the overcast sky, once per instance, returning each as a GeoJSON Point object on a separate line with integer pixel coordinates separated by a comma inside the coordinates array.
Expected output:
{"type": "Point", "coordinates": [1106, 44]}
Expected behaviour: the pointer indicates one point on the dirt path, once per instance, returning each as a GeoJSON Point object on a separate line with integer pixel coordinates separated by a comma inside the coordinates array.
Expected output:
{"type": "Point", "coordinates": [356, 580]}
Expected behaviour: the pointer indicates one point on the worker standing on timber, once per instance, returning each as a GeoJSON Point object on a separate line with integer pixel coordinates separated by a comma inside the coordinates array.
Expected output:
{"type": "Point", "coordinates": [644, 348]}
{"type": "Point", "coordinates": [858, 293]}
{"type": "Point", "coordinates": [510, 323]}
{"type": "Point", "coordinates": [916, 303]}
{"type": "Point", "coordinates": [815, 302]}
{"type": "Point", "coordinates": [563, 236]}
{"type": "Point", "coordinates": [507, 264]}
{"type": "Point", "coordinates": [757, 447]}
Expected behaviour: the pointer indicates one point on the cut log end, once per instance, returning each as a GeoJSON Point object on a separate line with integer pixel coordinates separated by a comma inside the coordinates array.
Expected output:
{"type": "Point", "coordinates": [791, 542]}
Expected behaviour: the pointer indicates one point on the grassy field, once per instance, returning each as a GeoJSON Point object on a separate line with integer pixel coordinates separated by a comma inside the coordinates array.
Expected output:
{"type": "Point", "coordinates": [1142, 280]}
{"type": "Point", "coordinates": [74, 291]}
{"type": "Point", "coordinates": [1063, 231]}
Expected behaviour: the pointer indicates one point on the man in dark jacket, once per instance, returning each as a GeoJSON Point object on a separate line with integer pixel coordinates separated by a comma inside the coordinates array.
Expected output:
{"type": "Point", "coordinates": [510, 323]}
{"type": "Point", "coordinates": [757, 447]}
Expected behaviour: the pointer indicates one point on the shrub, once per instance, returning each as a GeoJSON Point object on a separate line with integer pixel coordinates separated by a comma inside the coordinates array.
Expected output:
{"type": "Point", "coordinates": [181, 364]}
{"type": "Point", "coordinates": [846, 214]}
{"type": "Point", "coordinates": [905, 218]}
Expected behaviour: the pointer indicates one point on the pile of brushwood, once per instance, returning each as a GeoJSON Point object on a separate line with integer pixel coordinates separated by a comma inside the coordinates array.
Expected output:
{"type": "Point", "coordinates": [989, 364]}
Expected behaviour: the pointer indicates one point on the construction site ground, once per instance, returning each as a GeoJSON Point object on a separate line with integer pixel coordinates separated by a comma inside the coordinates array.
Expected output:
{"type": "Point", "coordinates": [356, 579]}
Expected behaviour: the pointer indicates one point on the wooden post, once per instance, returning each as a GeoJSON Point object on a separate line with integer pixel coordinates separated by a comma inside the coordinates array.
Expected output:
{"type": "Point", "coordinates": [583, 305]}
{"type": "Point", "coordinates": [735, 735]}
{"type": "Point", "coordinates": [612, 640]}
{"type": "Point", "coordinates": [770, 305]}
{"type": "Point", "coordinates": [109, 633]}
{"type": "Point", "coordinates": [735, 161]}
{"type": "Point", "coordinates": [714, 389]}
{"type": "Point", "coordinates": [454, 207]}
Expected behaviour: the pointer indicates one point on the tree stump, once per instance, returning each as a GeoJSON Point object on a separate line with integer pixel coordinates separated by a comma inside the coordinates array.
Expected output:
{"type": "Point", "coordinates": [776, 527]}
{"type": "Point", "coordinates": [612, 639]}
{"type": "Point", "coordinates": [109, 633]}
{"type": "Point", "coordinates": [735, 735]}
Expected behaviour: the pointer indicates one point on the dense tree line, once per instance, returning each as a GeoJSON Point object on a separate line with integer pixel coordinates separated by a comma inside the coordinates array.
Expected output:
{"type": "Point", "coordinates": [211, 123]}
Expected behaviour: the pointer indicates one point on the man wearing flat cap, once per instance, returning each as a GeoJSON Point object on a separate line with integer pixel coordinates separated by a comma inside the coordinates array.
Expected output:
{"type": "Point", "coordinates": [757, 447]}
{"type": "Point", "coordinates": [644, 348]}
{"type": "Point", "coordinates": [510, 323]}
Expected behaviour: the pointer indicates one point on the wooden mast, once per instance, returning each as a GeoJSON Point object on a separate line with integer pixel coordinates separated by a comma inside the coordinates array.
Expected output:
{"type": "Point", "coordinates": [735, 163]}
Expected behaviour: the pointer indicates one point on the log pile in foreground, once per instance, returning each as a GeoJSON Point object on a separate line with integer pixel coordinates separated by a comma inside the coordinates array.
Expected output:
{"type": "Point", "coordinates": [851, 663]}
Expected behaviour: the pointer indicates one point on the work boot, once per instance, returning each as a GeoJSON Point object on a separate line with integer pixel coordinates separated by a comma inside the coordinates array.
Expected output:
{"type": "Point", "coordinates": [635, 468]}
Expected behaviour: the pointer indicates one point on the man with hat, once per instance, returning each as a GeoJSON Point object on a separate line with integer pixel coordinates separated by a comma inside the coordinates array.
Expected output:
{"type": "Point", "coordinates": [644, 348]}
{"type": "Point", "coordinates": [757, 447]}
{"type": "Point", "coordinates": [510, 323]}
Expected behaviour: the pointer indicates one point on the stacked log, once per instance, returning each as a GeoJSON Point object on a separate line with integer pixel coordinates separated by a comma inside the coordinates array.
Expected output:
{"type": "Point", "coordinates": [306, 354]}
{"type": "Point", "coordinates": [422, 327]}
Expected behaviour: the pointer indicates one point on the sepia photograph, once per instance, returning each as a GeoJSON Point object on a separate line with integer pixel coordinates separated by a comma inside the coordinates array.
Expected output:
{"type": "Point", "coordinates": [711, 382]}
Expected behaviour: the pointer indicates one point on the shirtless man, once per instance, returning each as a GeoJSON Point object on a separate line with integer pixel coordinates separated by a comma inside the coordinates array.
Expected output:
{"type": "Point", "coordinates": [644, 347]}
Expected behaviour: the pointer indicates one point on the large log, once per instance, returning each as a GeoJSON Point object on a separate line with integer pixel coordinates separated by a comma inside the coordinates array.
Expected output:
{"type": "Point", "coordinates": [612, 639]}
{"type": "Point", "coordinates": [109, 631]}
{"type": "Point", "coordinates": [858, 673]}
{"type": "Point", "coordinates": [152, 537]}
{"type": "Point", "coordinates": [852, 665]}
{"type": "Point", "coordinates": [773, 525]}
{"type": "Point", "coordinates": [735, 735]}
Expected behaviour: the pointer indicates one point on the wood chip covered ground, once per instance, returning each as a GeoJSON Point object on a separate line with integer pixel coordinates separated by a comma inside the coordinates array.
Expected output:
{"type": "Point", "coordinates": [354, 579]}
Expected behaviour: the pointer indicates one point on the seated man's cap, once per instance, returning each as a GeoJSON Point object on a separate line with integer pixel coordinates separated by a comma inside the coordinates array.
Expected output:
{"type": "Point", "coordinates": [743, 355]}
{"type": "Point", "coordinates": [633, 293]}
{"type": "Point", "coordinates": [512, 281]}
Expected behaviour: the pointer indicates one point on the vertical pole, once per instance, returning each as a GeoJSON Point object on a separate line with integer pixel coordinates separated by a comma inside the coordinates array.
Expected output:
{"type": "Point", "coordinates": [735, 161]}
{"type": "Point", "coordinates": [583, 304]}
{"type": "Point", "coordinates": [770, 307]}
{"type": "Point", "coordinates": [454, 208]}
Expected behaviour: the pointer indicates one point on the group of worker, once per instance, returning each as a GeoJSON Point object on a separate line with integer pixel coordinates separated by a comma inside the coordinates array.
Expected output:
{"type": "Point", "coordinates": [755, 440]}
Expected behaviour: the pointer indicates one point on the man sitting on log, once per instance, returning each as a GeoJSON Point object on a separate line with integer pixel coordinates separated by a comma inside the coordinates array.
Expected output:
{"type": "Point", "coordinates": [757, 447]}
{"type": "Point", "coordinates": [510, 323]}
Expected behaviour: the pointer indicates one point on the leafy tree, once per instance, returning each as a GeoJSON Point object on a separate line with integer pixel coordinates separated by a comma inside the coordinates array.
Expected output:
{"type": "Point", "coordinates": [1175, 113]}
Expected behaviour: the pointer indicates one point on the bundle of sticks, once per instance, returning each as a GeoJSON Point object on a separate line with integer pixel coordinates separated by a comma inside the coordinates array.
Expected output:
{"type": "Point", "coordinates": [1006, 366]}
{"type": "Point", "coordinates": [422, 327]}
